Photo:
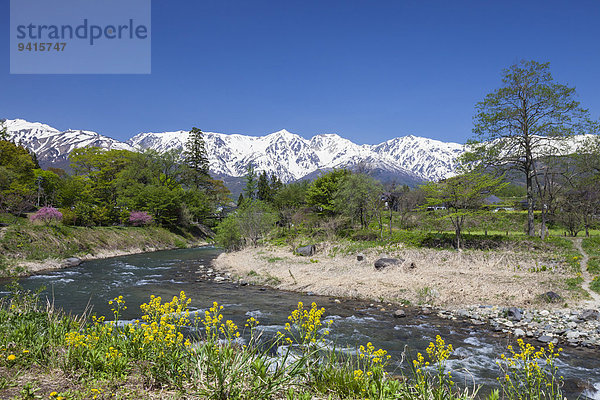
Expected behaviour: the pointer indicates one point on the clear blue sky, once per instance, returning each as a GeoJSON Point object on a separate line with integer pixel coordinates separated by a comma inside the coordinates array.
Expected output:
{"type": "Point", "coordinates": [369, 71]}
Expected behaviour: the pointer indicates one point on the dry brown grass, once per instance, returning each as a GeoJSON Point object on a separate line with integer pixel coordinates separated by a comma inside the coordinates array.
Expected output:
{"type": "Point", "coordinates": [441, 277]}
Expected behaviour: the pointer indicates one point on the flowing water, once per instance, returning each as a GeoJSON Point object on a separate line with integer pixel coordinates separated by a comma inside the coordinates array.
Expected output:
{"type": "Point", "coordinates": [166, 273]}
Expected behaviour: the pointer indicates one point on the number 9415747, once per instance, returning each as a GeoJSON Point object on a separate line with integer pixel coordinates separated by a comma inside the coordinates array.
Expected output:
{"type": "Point", "coordinates": [41, 46]}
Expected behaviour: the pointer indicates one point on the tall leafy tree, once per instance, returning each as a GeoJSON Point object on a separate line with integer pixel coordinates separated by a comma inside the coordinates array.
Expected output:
{"type": "Point", "coordinates": [517, 123]}
{"type": "Point", "coordinates": [359, 197]}
{"type": "Point", "coordinates": [196, 158]}
{"type": "Point", "coordinates": [322, 191]}
{"type": "Point", "coordinates": [460, 196]}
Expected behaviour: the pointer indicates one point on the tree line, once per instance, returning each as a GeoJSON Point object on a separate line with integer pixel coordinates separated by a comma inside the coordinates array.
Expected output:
{"type": "Point", "coordinates": [105, 186]}
{"type": "Point", "coordinates": [529, 131]}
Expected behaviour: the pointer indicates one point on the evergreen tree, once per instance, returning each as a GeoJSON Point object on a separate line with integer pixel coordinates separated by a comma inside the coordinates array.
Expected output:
{"type": "Point", "coordinates": [263, 189]}
{"type": "Point", "coordinates": [34, 158]}
{"type": "Point", "coordinates": [251, 183]}
{"type": "Point", "coordinates": [196, 158]}
{"type": "Point", "coordinates": [240, 200]}
{"type": "Point", "coordinates": [3, 134]}
{"type": "Point", "coordinates": [275, 185]}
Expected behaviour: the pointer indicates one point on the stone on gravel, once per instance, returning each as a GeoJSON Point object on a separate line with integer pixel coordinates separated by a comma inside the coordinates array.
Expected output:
{"type": "Point", "coordinates": [514, 314]}
{"type": "Point", "coordinates": [306, 250]}
{"type": "Point", "coordinates": [551, 297]}
{"type": "Point", "coordinates": [588, 315]}
{"type": "Point", "coordinates": [571, 335]}
{"type": "Point", "coordinates": [383, 263]}
{"type": "Point", "coordinates": [519, 332]}
{"type": "Point", "coordinates": [360, 257]}
{"type": "Point", "coordinates": [545, 339]}
{"type": "Point", "coordinates": [399, 314]}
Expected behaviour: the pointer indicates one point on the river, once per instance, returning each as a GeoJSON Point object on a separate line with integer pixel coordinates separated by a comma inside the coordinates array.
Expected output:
{"type": "Point", "coordinates": [166, 273]}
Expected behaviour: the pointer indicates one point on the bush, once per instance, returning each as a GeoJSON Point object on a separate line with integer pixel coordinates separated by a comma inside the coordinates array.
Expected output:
{"type": "Point", "coordinates": [140, 218]}
{"type": "Point", "coordinates": [69, 217]}
{"type": "Point", "coordinates": [46, 215]}
{"type": "Point", "coordinates": [228, 234]}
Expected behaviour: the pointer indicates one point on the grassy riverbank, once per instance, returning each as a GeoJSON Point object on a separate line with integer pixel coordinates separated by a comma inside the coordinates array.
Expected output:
{"type": "Point", "coordinates": [47, 354]}
{"type": "Point", "coordinates": [27, 247]}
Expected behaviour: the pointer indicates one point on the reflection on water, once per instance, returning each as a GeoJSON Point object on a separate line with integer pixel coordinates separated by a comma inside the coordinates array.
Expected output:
{"type": "Point", "coordinates": [166, 273]}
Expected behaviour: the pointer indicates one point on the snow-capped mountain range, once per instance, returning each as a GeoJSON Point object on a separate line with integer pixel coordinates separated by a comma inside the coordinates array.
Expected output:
{"type": "Point", "coordinates": [289, 156]}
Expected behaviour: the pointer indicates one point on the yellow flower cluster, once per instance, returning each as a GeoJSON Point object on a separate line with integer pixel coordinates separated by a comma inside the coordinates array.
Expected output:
{"type": "Point", "coordinates": [528, 369]}
{"type": "Point", "coordinates": [376, 356]}
{"type": "Point", "coordinates": [438, 351]}
{"type": "Point", "coordinates": [307, 323]}
{"type": "Point", "coordinates": [157, 334]}
{"type": "Point", "coordinates": [76, 339]}
{"type": "Point", "coordinates": [162, 321]}
{"type": "Point", "coordinates": [55, 396]}
{"type": "Point", "coordinates": [252, 322]}
{"type": "Point", "coordinates": [215, 327]}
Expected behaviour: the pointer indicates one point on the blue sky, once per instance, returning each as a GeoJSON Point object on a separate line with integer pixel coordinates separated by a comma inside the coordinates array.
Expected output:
{"type": "Point", "coordinates": [368, 71]}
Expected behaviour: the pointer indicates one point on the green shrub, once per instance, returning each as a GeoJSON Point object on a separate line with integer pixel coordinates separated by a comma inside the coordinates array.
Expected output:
{"type": "Point", "coordinates": [228, 234]}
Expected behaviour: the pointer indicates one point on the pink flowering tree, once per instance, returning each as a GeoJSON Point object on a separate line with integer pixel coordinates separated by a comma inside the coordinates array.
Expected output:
{"type": "Point", "coordinates": [46, 215]}
{"type": "Point", "coordinates": [140, 218]}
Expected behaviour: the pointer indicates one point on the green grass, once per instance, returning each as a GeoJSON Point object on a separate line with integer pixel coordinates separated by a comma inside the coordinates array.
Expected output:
{"type": "Point", "coordinates": [591, 246]}
{"type": "Point", "coordinates": [23, 242]}
{"type": "Point", "coordinates": [574, 283]}
{"type": "Point", "coordinates": [595, 284]}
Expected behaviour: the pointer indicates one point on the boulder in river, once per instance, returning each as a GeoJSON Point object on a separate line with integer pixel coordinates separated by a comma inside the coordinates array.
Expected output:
{"type": "Point", "coordinates": [383, 263]}
{"type": "Point", "coordinates": [72, 262]}
{"type": "Point", "coordinates": [306, 251]}
{"type": "Point", "coordinates": [399, 314]}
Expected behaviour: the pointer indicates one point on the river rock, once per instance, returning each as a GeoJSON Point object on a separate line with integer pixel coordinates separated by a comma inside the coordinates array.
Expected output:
{"type": "Point", "coordinates": [588, 315]}
{"type": "Point", "coordinates": [514, 314]}
{"type": "Point", "coordinates": [399, 314]}
{"type": "Point", "coordinates": [551, 297]}
{"type": "Point", "coordinates": [360, 257]}
{"type": "Point", "coordinates": [519, 332]}
{"type": "Point", "coordinates": [306, 251]}
{"type": "Point", "coordinates": [72, 262]}
{"type": "Point", "coordinates": [572, 335]}
{"type": "Point", "coordinates": [383, 263]}
{"type": "Point", "coordinates": [545, 339]}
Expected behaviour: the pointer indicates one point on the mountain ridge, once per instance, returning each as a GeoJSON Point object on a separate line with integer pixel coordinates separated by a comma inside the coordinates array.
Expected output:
{"type": "Point", "coordinates": [289, 156]}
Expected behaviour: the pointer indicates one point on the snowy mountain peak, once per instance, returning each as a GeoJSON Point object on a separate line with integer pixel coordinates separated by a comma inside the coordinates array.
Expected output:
{"type": "Point", "coordinates": [283, 153]}
{"type": "Point", "coordinates": [22, 125]}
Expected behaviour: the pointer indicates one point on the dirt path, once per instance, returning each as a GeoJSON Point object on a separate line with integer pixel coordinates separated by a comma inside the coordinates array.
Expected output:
{"type": "Point", "coordinates": [587, 277]}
